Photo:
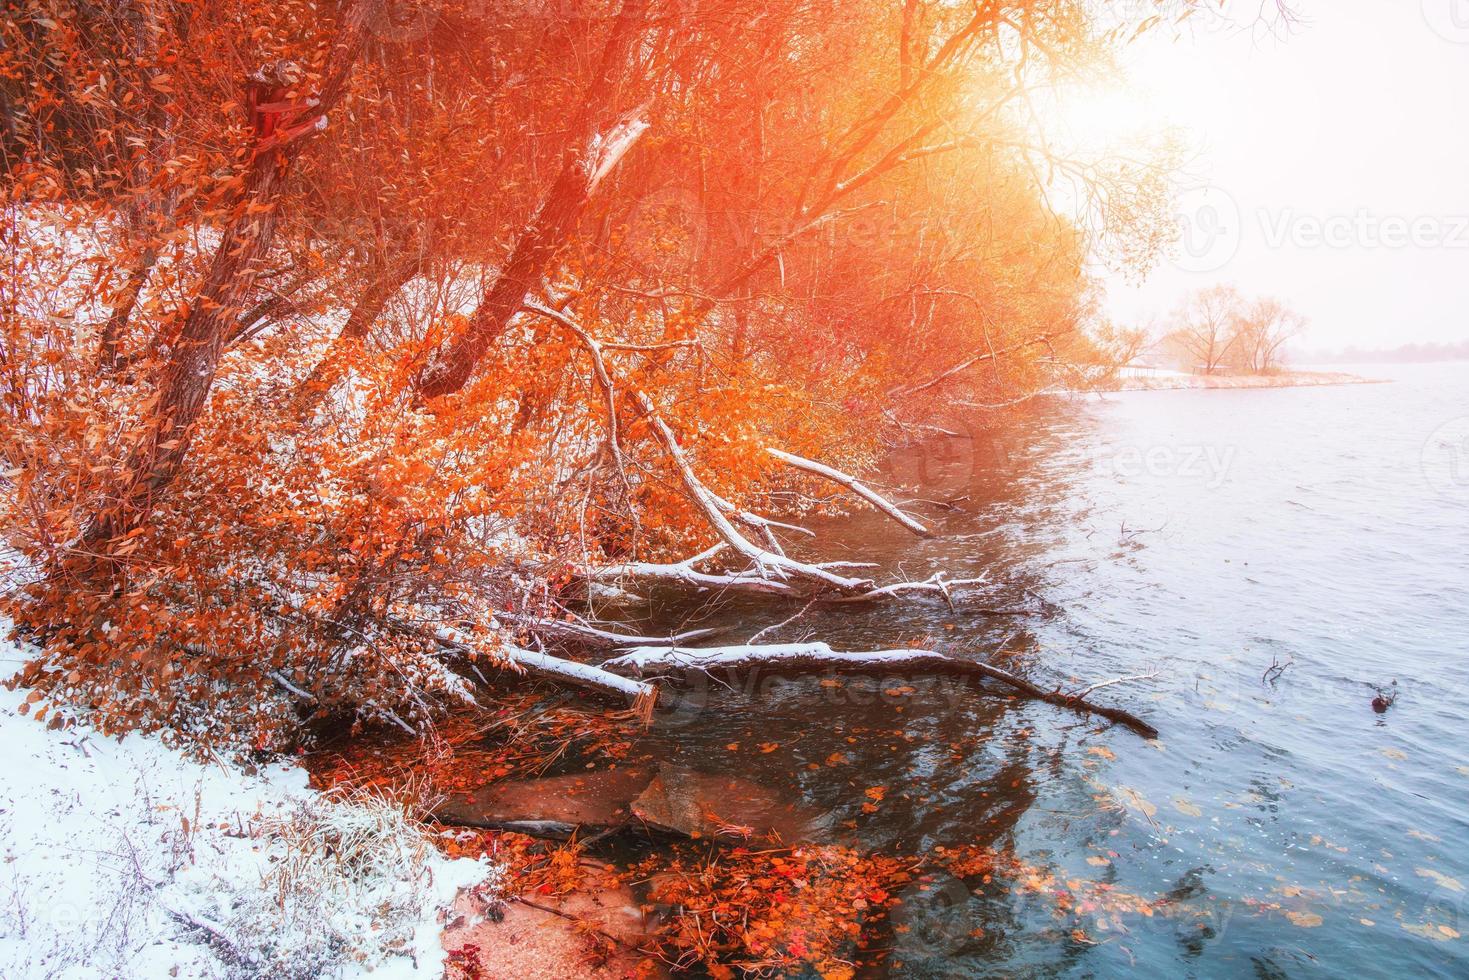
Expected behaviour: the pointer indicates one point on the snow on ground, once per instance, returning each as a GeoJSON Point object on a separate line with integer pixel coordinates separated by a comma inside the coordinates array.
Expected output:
{"type": "Point", "coordinates": [125, 858]}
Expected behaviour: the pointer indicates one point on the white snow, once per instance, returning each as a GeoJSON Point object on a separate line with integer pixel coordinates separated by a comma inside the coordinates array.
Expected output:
{"type": "Point", "coordinates": [125, 858]}
{"type": "Point", "coordinates": [643, 659]}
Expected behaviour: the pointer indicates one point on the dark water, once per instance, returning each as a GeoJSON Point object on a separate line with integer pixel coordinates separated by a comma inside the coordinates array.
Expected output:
{"type": "Point", "coordinates": [1204, 535]}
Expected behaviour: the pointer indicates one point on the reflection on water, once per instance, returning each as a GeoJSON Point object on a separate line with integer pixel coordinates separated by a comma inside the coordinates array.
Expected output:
{"type": "Point", "coordinates": [1207, 535]}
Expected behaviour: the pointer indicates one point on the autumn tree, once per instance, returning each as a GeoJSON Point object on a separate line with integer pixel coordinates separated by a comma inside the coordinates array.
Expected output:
{"type": "Point", "coordinates": [1206, 326]}
{"type": "Point", "coordinates": [1264, 327]}
{"type": "Point", "coordinates": [344, 357]}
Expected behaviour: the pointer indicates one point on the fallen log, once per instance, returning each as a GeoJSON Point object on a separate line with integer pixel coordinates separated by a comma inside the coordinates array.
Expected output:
{"type": "Point", "coordinates": [819, 658]}
{"type": "Point", "coordinates": [687, 574]}
{"type": "Point", "coordinates": [642, 696]}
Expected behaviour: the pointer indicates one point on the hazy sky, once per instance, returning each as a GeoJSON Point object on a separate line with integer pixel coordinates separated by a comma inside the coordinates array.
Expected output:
{"type": "Point", "coordinates": [1332, 168]}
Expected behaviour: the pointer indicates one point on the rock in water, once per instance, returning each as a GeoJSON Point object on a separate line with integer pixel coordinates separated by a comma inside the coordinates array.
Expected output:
{"type": "Point", "coordinates": [593, 799]}
{"type": "Point", "coordinates": [701, 805]}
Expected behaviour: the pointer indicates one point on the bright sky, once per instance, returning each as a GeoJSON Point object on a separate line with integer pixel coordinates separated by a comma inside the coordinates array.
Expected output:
{"type": "Point", "coordinates": [1331, 168]}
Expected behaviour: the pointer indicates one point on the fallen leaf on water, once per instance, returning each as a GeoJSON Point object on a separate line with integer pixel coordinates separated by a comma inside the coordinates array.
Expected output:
{"type": "Point", "coordinates": [1428, 930]}
{"type": "Point", "coordinates": [1184, 806]}
{"type": "Point", "coordinates": [1367, 922]}
{"type": "Point", "coordinates": [1097, 861]}
{"type": "Point", "coordinates": [1139, 801]}
{"type": "Point", "coordinates": [1440, 879]}
{"type": "Point", "coordinates": [1102, 751]}
{"type": "Point", "coordinates": [1306, 920]}
{"type": "Point", "coordinates": [733, 746]}
{"type": "Point", "coordinates": [1395, 753]}
{"type": "Point", "coordinates": [1421, 835]}
{"type": "Point", "coordinates": [769, 747]}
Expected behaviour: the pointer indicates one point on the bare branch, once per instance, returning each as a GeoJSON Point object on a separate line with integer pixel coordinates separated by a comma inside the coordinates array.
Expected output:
{"type": "Point", "coordinates": [852, 484]}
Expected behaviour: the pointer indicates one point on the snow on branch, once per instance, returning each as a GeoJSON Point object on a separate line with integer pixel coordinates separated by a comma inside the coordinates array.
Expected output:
{"type": "Point", "coordinates": [686, 572]}
{"type": "Point", "coordinates": [607, 149]}
{"type": "Point", "coordinates": [544, 665]}
{"type": "Point", "coordinates": [987, 355]}
{"type": "Point", "coordinates": [767, 563]}
{"type": "Point", "coordinates": [935, 583]}
{"type": "Point", "coordinates": [592, 636]}
{"type": "Point", "coordinates": [851, 483]}
{"type": "Point", "coordinates": [818, 658]}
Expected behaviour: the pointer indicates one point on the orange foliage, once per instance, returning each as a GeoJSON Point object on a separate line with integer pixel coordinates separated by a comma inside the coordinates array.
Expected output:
{"type": "Point", "coordinates": [230, 504]}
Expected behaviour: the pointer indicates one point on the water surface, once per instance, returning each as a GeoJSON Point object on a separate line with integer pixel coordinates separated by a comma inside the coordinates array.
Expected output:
{"type": "Point", "coordinates": [1204, 536]}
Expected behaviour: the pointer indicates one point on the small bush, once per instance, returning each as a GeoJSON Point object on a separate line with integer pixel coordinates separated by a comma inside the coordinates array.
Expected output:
{"type": "Point", "coordinates": [348, 879]}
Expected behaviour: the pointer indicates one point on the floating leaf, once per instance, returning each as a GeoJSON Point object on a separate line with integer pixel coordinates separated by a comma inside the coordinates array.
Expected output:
{"type": "Point", "coordinates": [1440, 879]}
{"type": "Point", "coordinates": [1132, 797]}
{"type": "Point", "coordinates": [1429, 930]}
{"type": "Point", "coordinates": [1185, 807]}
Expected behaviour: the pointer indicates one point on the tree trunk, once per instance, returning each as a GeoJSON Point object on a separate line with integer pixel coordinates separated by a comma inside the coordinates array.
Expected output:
{"type": "Point", "coordinates": [332, 367]}
{"type": "Point", "coordinates": [122, 310]}
{"type": "Point", "coordinates": [596, 147]}
{"type": "Point", "coordinates": [187, 373]}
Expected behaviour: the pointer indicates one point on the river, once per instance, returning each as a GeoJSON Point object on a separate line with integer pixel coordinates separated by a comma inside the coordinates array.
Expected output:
{"type": "Point", "coordinates": [1200, 536]}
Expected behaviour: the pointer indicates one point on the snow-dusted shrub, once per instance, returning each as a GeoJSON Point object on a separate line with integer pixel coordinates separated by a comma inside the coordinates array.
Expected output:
{"type": "Point", "coordinates": [346, 881]}
{"type": "Point", "coordinates": [124, 858]}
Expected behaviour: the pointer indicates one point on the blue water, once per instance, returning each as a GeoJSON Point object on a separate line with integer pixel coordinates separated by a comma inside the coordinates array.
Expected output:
{"type": "Point", "coordinates": [1279, 827]}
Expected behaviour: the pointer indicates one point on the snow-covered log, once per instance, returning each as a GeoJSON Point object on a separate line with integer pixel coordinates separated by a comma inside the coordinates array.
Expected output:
{"type": "Point", "coordinates": [643, 695]}
{"type": "Point", "coordinates": [853, 484]}
{"type": "Point", "coordinates": [819, 658]}
{"type": "Point", "coordinates": [578, 674]}
{"type": "Point", "coordinates": [687, 573]}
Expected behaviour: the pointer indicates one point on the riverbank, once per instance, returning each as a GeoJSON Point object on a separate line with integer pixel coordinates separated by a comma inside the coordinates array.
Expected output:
{"type": "Point", "coordinates": [1177, 380]}
{"type": "Point", "coordinates": [128, 858]}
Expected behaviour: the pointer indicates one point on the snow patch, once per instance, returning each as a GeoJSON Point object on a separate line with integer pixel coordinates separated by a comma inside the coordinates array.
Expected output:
{"type": "Point", "coordinates": [125, 858]}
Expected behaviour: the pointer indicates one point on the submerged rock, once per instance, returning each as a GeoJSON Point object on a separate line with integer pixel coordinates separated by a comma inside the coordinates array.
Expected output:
{"type": "Point", "coordinates": [592, 799]}
{"type": "Point", "coordinates": [702, 805]}
{"type": "Point", "coordinates": [592, 934]}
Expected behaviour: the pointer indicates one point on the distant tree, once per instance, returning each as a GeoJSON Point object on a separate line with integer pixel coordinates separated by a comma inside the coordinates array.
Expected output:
{"type": "Point", "coordinates": [1206, 326]}
{"type": "Point", "coordinates": [1261, 333]}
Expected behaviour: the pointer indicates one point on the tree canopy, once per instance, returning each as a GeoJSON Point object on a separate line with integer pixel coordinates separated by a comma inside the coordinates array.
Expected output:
{"type": "Point", "coordinates": [331, 330]}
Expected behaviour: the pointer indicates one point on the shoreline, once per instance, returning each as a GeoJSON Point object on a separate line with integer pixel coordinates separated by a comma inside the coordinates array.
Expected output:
{"type": "Point", "coordinates": [1284, 379]}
